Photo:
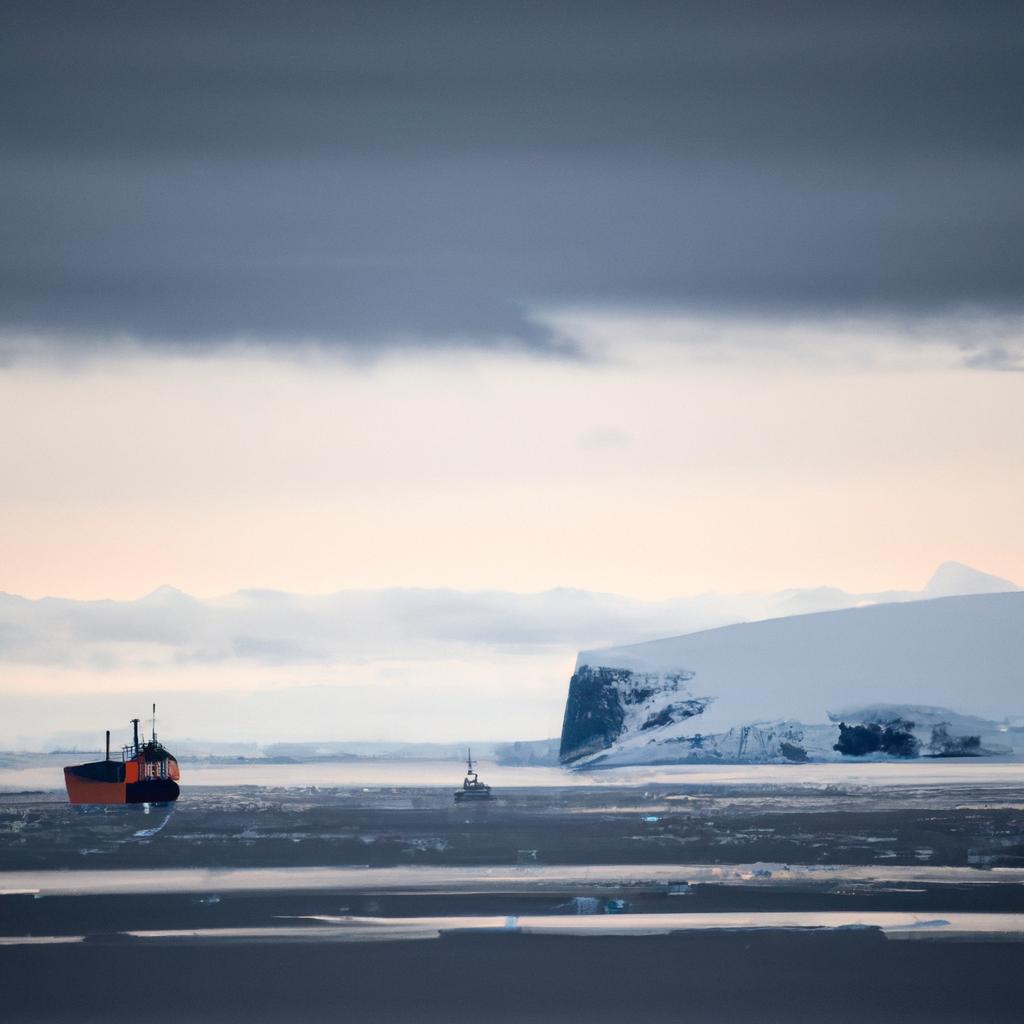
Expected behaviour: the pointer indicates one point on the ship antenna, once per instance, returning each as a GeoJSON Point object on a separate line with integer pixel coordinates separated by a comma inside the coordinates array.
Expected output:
{"type": "Point", "coordinates": [108, 744]}
{"type": "Point", "coordinates": [154, 723]}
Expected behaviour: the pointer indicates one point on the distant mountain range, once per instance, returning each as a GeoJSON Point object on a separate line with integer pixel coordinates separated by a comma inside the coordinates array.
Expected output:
{"type": "Point", "coordinates": [262, 666]}
{"type": "Point", "coordinates": [169, 628]}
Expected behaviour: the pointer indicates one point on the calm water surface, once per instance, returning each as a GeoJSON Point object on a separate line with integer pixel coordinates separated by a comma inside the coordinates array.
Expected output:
{"type": "Point", "coordinates": [446, 773]}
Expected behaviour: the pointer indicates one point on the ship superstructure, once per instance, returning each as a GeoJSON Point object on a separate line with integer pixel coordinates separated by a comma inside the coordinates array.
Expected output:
{"type": "Point", "coordinates": [472, 787]}
{"type": "Point", "coordinates": [145, 773]}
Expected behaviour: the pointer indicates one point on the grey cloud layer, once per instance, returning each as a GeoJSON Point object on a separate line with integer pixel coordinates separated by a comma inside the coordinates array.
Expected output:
{"type": "Point", "coordinates": [368, 174]}
{"type": "Point", "coordinates": [170, 628]}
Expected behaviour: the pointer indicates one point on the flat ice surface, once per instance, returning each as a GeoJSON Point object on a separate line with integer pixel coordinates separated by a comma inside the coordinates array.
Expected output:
{"type": "Point", "coordinates": [477, 880]}
{"type": "Point", "coordinates": [894, 924]}
{"type": "Point", "coordinates": [443, 774]}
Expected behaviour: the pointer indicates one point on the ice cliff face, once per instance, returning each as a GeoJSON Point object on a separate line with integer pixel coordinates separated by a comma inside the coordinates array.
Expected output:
{"type": "Point", "coordinates": [606, 704]}
{"type": "Point", "coordinates": [939, 678]}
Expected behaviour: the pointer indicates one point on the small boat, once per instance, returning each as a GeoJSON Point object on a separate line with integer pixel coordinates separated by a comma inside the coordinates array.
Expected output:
{"type": "Point", "coordinates": [472, 787]}
{"type": "Point", "coordinates": [146, 773]}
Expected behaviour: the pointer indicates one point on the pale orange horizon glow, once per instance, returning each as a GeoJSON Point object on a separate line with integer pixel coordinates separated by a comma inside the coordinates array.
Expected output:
{"type": "Point", "coordinates": [651, 477]}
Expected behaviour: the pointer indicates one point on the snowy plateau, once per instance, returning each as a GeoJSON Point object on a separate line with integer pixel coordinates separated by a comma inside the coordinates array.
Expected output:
{"type": "Point", "coordinates": [928, 678]}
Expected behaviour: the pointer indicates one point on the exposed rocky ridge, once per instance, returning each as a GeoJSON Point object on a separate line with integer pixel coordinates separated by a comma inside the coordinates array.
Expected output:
{"type": "Point", "coordinates": [604, 703]}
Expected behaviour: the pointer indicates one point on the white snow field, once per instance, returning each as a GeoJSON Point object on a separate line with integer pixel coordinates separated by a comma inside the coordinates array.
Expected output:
{"type": "Point", "coordinates": [930, 660]}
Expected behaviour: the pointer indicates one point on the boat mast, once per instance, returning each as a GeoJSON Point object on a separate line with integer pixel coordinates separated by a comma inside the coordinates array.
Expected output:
{"type": "Point", "coordinates": [135, 734]}
{"type": "Point", "coordinates": [154, 724]}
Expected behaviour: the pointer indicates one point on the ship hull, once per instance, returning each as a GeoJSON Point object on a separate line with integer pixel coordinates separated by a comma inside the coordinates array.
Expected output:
{"type": "Point", "coordinates": [88, 791]}
{"type": "Point", "coordinates": [122, 782]}
{"type": "Point", "coordinates": [92, 791]}
{"type": "Point", "coordinates": [152, 791]}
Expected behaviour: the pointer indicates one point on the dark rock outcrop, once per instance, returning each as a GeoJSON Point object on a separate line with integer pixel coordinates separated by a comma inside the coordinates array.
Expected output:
{"type": "Point", "coordinates": [600, 700]}
{"type": "Point", "coordinates": [894, 738]}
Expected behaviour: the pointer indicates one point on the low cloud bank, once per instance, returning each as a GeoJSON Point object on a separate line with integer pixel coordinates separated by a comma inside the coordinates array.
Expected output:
{"type": "Point", "coordinates": [168, 628]}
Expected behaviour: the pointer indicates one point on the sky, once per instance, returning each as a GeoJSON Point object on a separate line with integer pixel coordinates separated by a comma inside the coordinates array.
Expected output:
{"type": "Point", "coordinates": [648, 299]}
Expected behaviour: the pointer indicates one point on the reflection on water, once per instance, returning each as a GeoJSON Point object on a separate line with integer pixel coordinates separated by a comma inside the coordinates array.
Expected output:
{"type": "Point", "coordinates": [121, 823]}
{"type": "Point", "coordinates": [162, 814]}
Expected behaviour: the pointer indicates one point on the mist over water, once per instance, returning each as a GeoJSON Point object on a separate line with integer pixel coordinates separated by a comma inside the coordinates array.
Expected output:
{"type": "Point", "coordinates": [384, 774]}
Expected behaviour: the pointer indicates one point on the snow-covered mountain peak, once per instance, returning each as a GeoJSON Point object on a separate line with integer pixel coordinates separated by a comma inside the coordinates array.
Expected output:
{"type": "Point", "coordinates": [955, 578]}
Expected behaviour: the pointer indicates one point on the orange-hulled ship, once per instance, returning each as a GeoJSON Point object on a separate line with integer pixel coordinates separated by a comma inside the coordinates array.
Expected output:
{"type": "Point", "coordinates": [145, 774]}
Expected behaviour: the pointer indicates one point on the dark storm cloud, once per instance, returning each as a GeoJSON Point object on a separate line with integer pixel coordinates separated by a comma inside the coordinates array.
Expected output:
{"type": "Point", "coordinates": [374, 173]}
